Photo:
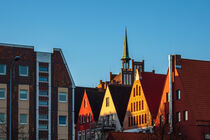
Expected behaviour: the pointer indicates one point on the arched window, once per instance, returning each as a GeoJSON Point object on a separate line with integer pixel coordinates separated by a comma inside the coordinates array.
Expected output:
{"type": "Point", "coordinates": [136, 90]}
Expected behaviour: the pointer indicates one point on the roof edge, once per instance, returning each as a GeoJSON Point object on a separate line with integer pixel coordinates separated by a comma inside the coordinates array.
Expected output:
{"type": "Point", "coordinates": [16, 45]}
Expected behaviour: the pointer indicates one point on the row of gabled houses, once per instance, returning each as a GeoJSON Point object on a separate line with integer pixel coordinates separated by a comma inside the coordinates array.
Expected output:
{"type": "Point", "coordinates": [136, 104]}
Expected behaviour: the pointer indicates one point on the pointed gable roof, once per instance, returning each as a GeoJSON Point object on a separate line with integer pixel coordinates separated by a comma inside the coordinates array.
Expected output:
{"type": "Point", "coordinates": [120, 95]}
{"type": "Point", "coordinates": [152, 85]}
{"type": "Point", "coordinates": [95, 99]}
{"type": "Point", "coordinates": [195, 78]}
{"type": "Point", "coordinates": [125, 49]}
{"type": "Point", "coordinates": [79, 93]}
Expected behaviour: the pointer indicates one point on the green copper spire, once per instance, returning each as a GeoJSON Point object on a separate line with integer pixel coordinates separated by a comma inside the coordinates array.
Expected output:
{"type": "Point", "coordinates": [125, 49]}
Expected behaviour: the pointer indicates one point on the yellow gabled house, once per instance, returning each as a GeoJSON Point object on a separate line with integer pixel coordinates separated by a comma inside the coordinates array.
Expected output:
{"type": "Point", "coordinates": [144, 101]}
{"type": "Point", "coordinates": [114, 107]}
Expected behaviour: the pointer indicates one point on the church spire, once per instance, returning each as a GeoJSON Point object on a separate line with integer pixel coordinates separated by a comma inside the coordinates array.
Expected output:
{"type": "Point", "coordinates": [125, 58]}
{"type": "Point", "coordinates": [125, 49]}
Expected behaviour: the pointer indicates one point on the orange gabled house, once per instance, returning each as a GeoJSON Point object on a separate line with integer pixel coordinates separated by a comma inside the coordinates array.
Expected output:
{"type": "Point", "coordinates": [88, 114]}
{"type": "Point", "coordinates": [144, 101]}
{"type": "Point", "coordinates": [184, 111]}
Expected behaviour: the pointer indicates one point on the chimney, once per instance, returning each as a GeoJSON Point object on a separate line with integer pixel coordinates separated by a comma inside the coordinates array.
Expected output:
{"type": "Point", "coordinates": [177, 61]}
{"type": "Point", "coordinates": [153, 71]}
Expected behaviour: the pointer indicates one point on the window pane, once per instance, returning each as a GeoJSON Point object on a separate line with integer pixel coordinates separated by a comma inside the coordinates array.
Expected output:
{"type": "Point", "coordinates": [43, 93]}
{"type": "Point", "coordinates": [23, 118]}
{"type": "Point", "coordinates": [62, 97]}
{"type": "Point", "coordinates": [43, 116]}
{"type": "Point", "coordinates": [107, 101]}
{"type": "Point", "coordinates": [62, 120]}
{"type": "Point", "coordinates": [43, 79]}
{"type": "Point", "coordinates": [23, 70]}
{"type": "Point", "coordinates": [2, 69]}
{"type": "Point", "coordinates": [2, 118]}
{"type": "Point", "coordinates": [43, 126]}
{"type": "Point", "coordinates": [23, 94]}
{"type": "Point", "coordinates": [44, 103]}
{"type": "Point", "coordinates": [2, 93]}
{"type": "Point", "coordinates": [43, 69]}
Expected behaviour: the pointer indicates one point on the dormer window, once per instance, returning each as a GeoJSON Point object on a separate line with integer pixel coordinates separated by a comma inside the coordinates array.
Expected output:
{"type": "Point", "coordinates": [178, 94]}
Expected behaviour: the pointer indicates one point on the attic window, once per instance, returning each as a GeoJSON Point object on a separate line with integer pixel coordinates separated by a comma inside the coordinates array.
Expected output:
{"type": "Point", "coordinates": [178, 94]}
{"type": "Point", "coordinates": [107, 101]}
{"type": "Point", "coordinates": [185, 115]}
{"type": "Point", "coordinates": [137, 90]}
{"type": "Point", "coordinates": [85, 103]}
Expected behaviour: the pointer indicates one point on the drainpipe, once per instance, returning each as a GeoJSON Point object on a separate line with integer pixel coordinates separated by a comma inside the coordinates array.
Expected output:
{"type": "Point", "coordinates": [170, 58]}
{"type": "Point", "coordinates": [73, 131]}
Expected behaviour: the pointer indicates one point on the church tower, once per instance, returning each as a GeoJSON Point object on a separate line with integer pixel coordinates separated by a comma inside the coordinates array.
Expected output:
{"type": "Point", "coordinates": [125, 58]}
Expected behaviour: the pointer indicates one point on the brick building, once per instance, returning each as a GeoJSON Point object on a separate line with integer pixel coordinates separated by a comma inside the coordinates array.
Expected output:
{"type": "Point", "coordinates": [36, 92]}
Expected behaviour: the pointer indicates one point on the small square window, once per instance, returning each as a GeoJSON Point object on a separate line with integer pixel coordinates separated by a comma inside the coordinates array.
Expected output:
{"type": "Point", "coordinates": [2, 118]}
{"type": "Point", "coordinates": [23, 94]}
{"type": "Point", "coordinates": [2, 93]}
{"type": "Point", "coordinates": [3, 69]}
{"type": "Point", "coordinates": [107, 101]}
{"type": "Point", "coordinates": [43, 79]}
{"type": "Point", "coordinates": [62, 97]}
{"type": "Point", "coordinates": [23, 118]}
{"type": "Point", "coordinates": [62, 120]}
{"type": "Point", "coordinates": [43, 69]}
{"type": "Point", "coordinates": [23, 70]}
{"type": "Point", "coordinates": [43, 93]}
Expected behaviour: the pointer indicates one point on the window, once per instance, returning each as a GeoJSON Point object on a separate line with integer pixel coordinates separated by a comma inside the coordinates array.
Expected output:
{"type": "Point", "coordinates": [137, 106]}
{"type": "Point", "coordinates": [87, 117]}
{"type": "Point", "coordinates": [129, 121]}
{"type": "Point", "coordinates": [62, 120]}
{"type": "Point", "coordinates": [23, 119]}
{"type": "Point", "coordinates": [79, 135]}
{"type": "Point", "coordinates": [43, 93]}
{"type": "Point", "coordinates": [167, 118]}
{"type": "Point", "coordinates": [137, 90]}
{"type": "Point", "coordinates": [178, 116]}
{"type": "Point", "coordinates": [178, 95]}
{"type": "Point", "coordinates": [43, 103]}
{"type": "Point", "coordinates": [142, 119]}
{"type": "Point", "coordinates": [134, 107]}
{"type": "Point", "coordinates": [134, 120]}
{"type": "Point", "coordinates": [43, 79]}
{"type": "Point", "coordinates": [43, 127]}
{"type": "Point", "coordinates": [83, 135]}
{"type": "Point", "coordinates": [2, 93]}
{"type": "Point", "coordinates": [2, 69]}
{"type": "Point", "coordinates": [90, 117]}
{"type": "Point", "coordinates": [134, 92]}
{"type": "Point", "coordinates": [139, 119]}
{"type": "Point", "coordinates": [83, 118]}
{"type": "Point", "coordinates": [62, 97]}
{"type": "Point", "coordinates": [161, 119]}
{"type": "Point", "coordinates": [2, 118]}
{"type": "Point", "coordinates": [23, 70]}
{"type": "Point", "coordinates": [88, 135]}
{"type": "Point", "coordinates": [107, 101]}
{"type": "Point", "coordinates": [142, 105]}
{"type": "Point", "coordinates": [145, 118]}
{"type": "Point", "coordinates": [131, 107]}
{"type": "Point", "coordinates": [23, 94]}
{"type": "Point", "coordinates": [43, 116]}
{"type": "Point", "coordinates": [85, 103]}
{"type": "Point", "coordinates": [43, 69]}
{"type": "Point", "coordinates": [185, 115]}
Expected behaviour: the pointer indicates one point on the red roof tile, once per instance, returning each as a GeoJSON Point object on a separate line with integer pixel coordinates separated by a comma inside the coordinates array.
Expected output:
{"type": "Point", "coordinates": [152, 85]}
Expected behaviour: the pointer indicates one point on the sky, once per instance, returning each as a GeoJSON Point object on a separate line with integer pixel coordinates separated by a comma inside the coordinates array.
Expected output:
{"type": "Point", "coordinates": [91, 32]}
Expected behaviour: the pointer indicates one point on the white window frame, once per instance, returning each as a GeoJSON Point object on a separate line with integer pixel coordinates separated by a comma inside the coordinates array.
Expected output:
{"type": "Point", "coordinates": [59, 120]}
{"type": "Point", "coordinates": [20, 74]}
{"type": "Point", "coordinates": [26, 94]}
{"type": "Point", "coordinates": [178, 116]}
{"type": "Point", "coordinates": [5, 69]}
{"type": "Point", "coordinates": [4, 93]}
{"type": "Point", "coordinates": [26, 119]}
{"type": "Point", "coordinates": [4, 118]}
{"type": "Point", "coordinates": [62, 93]}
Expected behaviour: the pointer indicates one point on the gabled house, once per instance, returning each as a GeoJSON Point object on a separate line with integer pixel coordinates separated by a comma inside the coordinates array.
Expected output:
{"type": "Point", "coordinates": [88, 114]}
{"type": "Point", "coordinates": [113, 109]}
{"type": "Point", "coordinates": [184, 111]}
{"type": "Point", "coordinates": [144, 101]}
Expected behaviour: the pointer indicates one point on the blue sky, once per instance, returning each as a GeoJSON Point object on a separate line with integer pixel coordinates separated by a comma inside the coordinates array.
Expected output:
{"type": "Point", "coordinates": [91, 33]}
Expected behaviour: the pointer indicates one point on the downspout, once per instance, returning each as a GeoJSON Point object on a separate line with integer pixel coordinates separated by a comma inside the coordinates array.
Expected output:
{"type": "Point", "coordinates": [170, 58]}
{"type": "Point", "coordinates": [73, 92]}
